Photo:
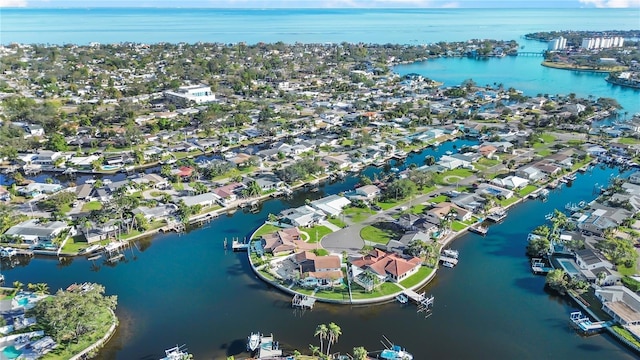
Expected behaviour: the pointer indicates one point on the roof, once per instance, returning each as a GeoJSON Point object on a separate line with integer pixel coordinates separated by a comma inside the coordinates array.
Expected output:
{"type": "Point", "coordinates": [622, 301]}
{"type": "Point", "coordinates": [588, 256]}
{"type": "Point", "coordinates": [34, 227]}
{"type": "Point", "coordinates": [84, 190]}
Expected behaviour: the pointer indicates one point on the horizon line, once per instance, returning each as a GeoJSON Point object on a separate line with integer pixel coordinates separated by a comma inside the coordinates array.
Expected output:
{"type": "Point", "coordinates": [313, 8]}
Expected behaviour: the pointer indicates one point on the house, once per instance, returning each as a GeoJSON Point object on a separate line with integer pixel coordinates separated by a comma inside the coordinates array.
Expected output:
{"type": "Point", "coordinates": [188, 95]}
{"type": "Point", "coordinates": [157, 213]}
{"type": "Point", "coordinates": [4, 194]}
{"type": "Point", "coordinates": [635, 178]}
{"type": "Point", "coordinates": [588, 259]}
{"type": "Point", "coordinates": [487, 150]}
{"type": "Point", "coordinates": [35, 189]}
{"type": "Point", "coordinates": [331, 205]}
{"type": "Point", "coordinates": [47, 157]}
{"type": "Point", "coordinates": [493, 190]}
{"type": "Point", "coordinates": [268, 181]}
{"type": "Point", "coordinates": [384, 265]}
{"type": "Point", "coordinates": [511, 182]}
{"type": "Point", "coordinates": [205, 200]}
{"type": "Point", "coordinates": [443, 209]}
{"type": "Point", "coordinates": [368, 191]}
{"type": "Point", "coordinates": [228, 193]}
{"type": "Point", "coordinates": [623, 305]}
{"type": "Point", "coordinates": [530, 173]}
{"type": "Point", "coordinates": [282, 241]}
{"type": "Point", "coordinates": [401, 245]}
{"type": "Point", "coordinates": [471, 202]}
{"type": "Point", "coordinates": [303, 216]}
{"type": "Point", "coordinates": [450, 162]}
{"type": "Point", "coordinates": [561, 159]}
{"type": "Point", "coordinates": [319, 270]}
{"type": "Point", "coordinates": [35, 231]}
{"type": "Point", "coordinates": [83, 192]}
{"type": "Point", "coordinates": [98, 232]}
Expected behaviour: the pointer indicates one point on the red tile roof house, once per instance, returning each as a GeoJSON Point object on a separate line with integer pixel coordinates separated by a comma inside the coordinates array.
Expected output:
{"type": "Point", "coordinates": [185, 171]}
{"type": "Point", "coordinates": [228, 192]}
{"type": "Point", "coordinates": [284, 241]}
{"type": "Point", "coordinates": [385, 265]}
{"type": "Point", "coordinates": [319, 270]}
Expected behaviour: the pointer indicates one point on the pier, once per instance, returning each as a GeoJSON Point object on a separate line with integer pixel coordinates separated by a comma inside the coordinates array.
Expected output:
{"type": "Point", "coordinates": [425, 303]}
{"type": "Point", "coordinates": [584, 325]}
{"type": "Point", "coordinates": [236, 245]}
{"type": "Point", "coordinates": [303, 301]}
{"type": "Point", "coordinates": [497, 216]}
{"type": "Point", "coordinates": [539, 266]}
{"type": "Point", "coordinates": [451, 260]}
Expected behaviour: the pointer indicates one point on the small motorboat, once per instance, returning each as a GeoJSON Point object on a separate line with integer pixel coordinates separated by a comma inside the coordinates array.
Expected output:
{"type": "Point", "coordinates": [253, 341]}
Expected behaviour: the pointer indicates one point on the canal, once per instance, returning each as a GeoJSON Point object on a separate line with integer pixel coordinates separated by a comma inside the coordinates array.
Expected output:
{"type": "Point", "coordinates": [186, 289]}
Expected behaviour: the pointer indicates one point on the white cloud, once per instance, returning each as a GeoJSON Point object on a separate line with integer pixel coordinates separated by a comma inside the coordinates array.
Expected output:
{"type": "Point", "coordinates": [13, 3]}
{"type": "Point", "coordinates": [612, 3]}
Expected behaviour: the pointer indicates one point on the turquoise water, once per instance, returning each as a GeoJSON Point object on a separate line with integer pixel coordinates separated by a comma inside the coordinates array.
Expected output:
{"type": "Point", "coordinates": [568, 267]}
{"type": "Point", "coordinates": [414, 26]}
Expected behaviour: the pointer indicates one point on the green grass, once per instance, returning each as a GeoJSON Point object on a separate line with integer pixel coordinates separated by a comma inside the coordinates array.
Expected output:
{"type": "Point", "coordinates": [507, 202]}
{"type": "Point", "coordinates": [178, 186]}
{"type": "Point", "coordinates": [416, 278]}
{"type": "Point", "coordinates": [623, 270]}
{"type": "Point", "coordinates": [65, 208]}
{"type": "Point", "coordinates": [75, 244]}
{"type": "Point", "coordinates": [417, 209]}
{"type": "Point", "coordinates": [457, 225]}
{"type": "Point", "coordinates": [388, 204]}
{"type": "Point", "coordinates": [527, 190]}
{"type": "Point", "coordinates": [547, 138]}
{"type": "Point", "coordinates": [337, 222]}
{"type": "Point", "coordinates": [377, 235]}
{"type": "Point", "coordinates": [488, 162]}
{"type": "Point", "coordinates": [452, 175]}
{"type": "Point", "coordinates": [265, 229]}
{"type": "Point", "coordinates": [357, 214]}
{"type": "Point", "coordinates": [628, 141]}
{"type": "Point", "coordinates": [543, 152]}
{"type": "Point", "coordinates": [347, 142]}
{"type": "Point", "coordinates": [581, 163]}
{"type": "Point", "coordinates": [386, 288]}
{"type": "Point", "coordinates": [439, 199]}
{"type": "Point", "coordinates": [92, 205]}
{"type": "Point", "coordinates": [317, 232]}
{"type": "Point", "coordinates": [626, 335]}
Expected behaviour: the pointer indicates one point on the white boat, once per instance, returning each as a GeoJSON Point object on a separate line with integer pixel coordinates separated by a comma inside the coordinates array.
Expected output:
{"type": "Point", "coordinates": [8, 252]}
{"type": "Point", "coordinates": [253, 341]}
{"type": "Point", "coordinates": [395, 352]}
{"type": "Point", "coordinates": [448, 264]}
{"type": "Point", "coordinates": [402, 298]}
{"type": "Point", "coordinates": [91, 249]}
{"type": "Point", "coordinates": [549, 216]}
{"type": "Point", "coordinates": [175, 353]}
{"type": "Point", "coordinates": [451, 253]}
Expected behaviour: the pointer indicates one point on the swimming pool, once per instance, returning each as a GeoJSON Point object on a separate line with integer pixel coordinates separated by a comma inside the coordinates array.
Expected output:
{"type": "Point", "coordinates": [569, 266]}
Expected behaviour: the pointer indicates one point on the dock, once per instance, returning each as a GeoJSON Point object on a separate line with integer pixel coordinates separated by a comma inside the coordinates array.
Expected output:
{"type": "Point", "coordinates": [238, 246]}
{"type": "Point", "coordinates": [479, 229]}
{"type": "Point", "coordinates": [303, 301]}
{"type": "Point", "coordinates": [425, 303]}
{"type": "Point", "coordinates": [584, 325]}
{"type": "Point", "coordinates": [451, 260]}
{"type": "Point", "coordinates": [539, 266]}
{"type": "Point", "coordinates": [269, 348]}
{"type": "Point", "coordinates": [497, 216]}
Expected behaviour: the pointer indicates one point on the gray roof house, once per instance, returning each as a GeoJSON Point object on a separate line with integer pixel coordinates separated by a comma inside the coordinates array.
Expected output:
{"type": "Point", "coordinates": [623, 305]}
{"type": "Point", "coordinates": [33, 231]}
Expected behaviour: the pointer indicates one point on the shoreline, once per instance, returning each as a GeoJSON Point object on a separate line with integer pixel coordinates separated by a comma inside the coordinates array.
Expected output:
{"type": "Point", "coordinates": [587, 69]}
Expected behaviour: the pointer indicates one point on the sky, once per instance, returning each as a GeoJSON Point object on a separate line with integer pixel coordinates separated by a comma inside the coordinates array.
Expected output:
{"type": "Point", "coordinates": [324, 3]}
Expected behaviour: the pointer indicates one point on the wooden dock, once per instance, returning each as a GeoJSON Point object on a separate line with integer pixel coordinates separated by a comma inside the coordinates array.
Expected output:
{"type": "Point", "coordinates": [303, 301]}
{"type": "Point", "coordinates": [425, 303]}
{"type": "Point", "coordinates": [454, 261]}
{"type": "Point", "coordinates": [238, 246]}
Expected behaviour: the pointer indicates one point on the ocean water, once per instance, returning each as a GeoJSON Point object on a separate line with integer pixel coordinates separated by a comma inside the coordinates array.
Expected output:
{"type": "Point", "coordinates": [415, 26]}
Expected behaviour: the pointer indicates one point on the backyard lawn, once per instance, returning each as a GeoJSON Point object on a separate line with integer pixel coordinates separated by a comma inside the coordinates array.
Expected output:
{"type": "Point", "coordinates": [92, 205]}
{"type": "Point", "coordinates": [416, 278]}
{"type": "Point", "coordinates": [337, 222]}
{"type": "Point", "coordinates": [386, 288]}
{"type": "Point", "coordinates": [265, 229]}
{"type": "Point", "coordinates": [527, 190]}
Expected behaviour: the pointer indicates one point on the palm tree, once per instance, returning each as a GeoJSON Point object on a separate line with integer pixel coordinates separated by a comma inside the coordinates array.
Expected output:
{"type": "Point", "coordinates": [360, 353]}
{"type": "Point", "coordinates": [334, 333]}
{"type": "Point", "coordinates": [314, 350]}
{"type": "Point", "coordinates": [321, 332]}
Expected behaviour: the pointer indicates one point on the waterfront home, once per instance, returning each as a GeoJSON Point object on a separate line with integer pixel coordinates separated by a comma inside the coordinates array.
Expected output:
{"type": "Point", "coordinates": [35, 189]}
{"type": "Point", "coordinates": [94, 232]}
{"type": "Point", "coordinates": [318, 270]}
{"type": "Point", "coordinates": [511, 182]}
{"type": "Point", "coordinates": [561, 159]}
{"type": "Point", "coordinates": [386, 266]}
{"type": "Point", "coordinates": [623, 305]}
{"type": "Point", "coordinates": [331, 205]}
{"type": "Point", "coordinates": [157, 213]}
{"type": "Point", "coordinates": [45, 157]}
{"type": "Point", "coordinates": [487, 151]}
{"type": "Point", "coordinates": [83, 192]}
{"type": "Point", "coordinates": [400, 245]}
{"type": "Point", "coordinates": [282, 242]}
{"type": "Point", "coordinates": [443, 210]}
{"type": "Point", "coordinates": [530, 173]}
{"type": "Point", "coordinates": [205, 200]}
{"type": "Point", "coordinates": [303, 216]}
{"type": "Point", "coordinates": [267, 181]}
{"type": "Point", "coordinates": [367, 192]}
{"type": "Point", "coordinates": [596, 151]}
{"type": "Point", "coordinates": [493, 190]}
{"type": "Point", "coordinates": [228, 193]}
{"type": "Point", "coordinates": [5, 195]}
{"type": "Point", "coordinates": [35, 231]}
{"type": "Point", "coordinates": [634, 178]}
{"type": "Point", "coordinates": [589, 259]}
{"type": "Point", "coordinates": [471, 202]}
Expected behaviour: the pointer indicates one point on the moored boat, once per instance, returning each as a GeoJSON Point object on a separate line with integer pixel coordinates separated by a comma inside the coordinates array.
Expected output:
{"type": "Point", "coordinates": [253, 341]}
{"type": "Point", "coordinates": [448, 264]}
{"type": "Point", "coordinates": [402, 298]}
{"type": "Point", "coordinates": [394, 352]}
{"type": "Point", "coordinates": [176, 353]}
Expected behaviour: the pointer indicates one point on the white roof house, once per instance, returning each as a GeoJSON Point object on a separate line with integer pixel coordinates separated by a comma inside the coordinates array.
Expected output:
{"type": "Point", "coordinates": [511, 182]}
{"type": "Point", "coordinates": [195, 94]}
{"type": "Point", "coordinates": [33, 231]}
{"type": "Point", "coordinates": [623, 305]}
{"type": "Point", "coordinates": [332, 205]}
